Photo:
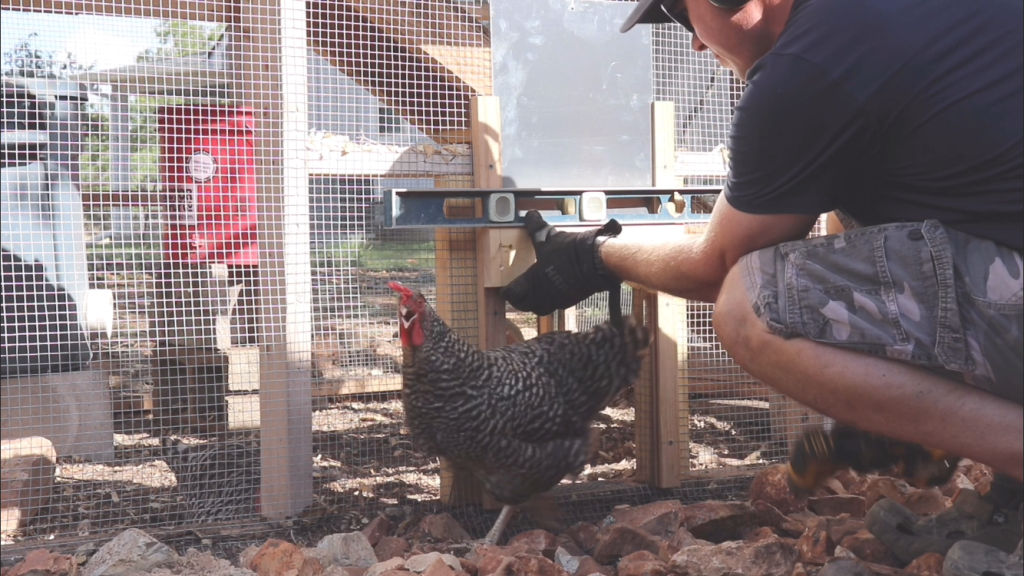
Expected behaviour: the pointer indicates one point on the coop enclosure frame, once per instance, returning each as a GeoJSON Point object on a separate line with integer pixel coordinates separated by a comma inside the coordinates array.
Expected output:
{"type": "Point", "coordinates": [270, 80]}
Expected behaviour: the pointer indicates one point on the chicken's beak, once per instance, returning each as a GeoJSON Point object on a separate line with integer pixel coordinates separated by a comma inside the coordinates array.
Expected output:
{"type": "Point", "coordinates": [406, 315]}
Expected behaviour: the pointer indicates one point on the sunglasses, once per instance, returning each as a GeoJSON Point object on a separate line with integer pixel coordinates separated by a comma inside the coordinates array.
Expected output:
{"type": "Point", "coordinates": [678, 14]}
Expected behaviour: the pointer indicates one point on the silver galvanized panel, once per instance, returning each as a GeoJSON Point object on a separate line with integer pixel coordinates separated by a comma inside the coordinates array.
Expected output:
{"type": "Point", "coordinates": [575, 93]}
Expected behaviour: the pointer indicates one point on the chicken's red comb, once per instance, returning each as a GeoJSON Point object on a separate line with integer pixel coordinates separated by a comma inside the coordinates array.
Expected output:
{"type": "Point", "coordinates": [398, 287]}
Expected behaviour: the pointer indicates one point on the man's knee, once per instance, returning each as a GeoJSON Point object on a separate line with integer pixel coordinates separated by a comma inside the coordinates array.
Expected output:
{"type": "Point", "coordinates": [733, 318]}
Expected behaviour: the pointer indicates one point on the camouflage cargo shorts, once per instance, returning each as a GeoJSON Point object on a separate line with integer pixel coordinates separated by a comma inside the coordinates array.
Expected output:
{"type": "Point", "coordinates": [916, 292]}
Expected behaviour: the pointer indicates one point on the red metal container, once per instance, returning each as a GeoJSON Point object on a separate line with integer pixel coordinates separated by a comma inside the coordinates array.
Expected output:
{"type": "Point", "coordinates": [208, 171]}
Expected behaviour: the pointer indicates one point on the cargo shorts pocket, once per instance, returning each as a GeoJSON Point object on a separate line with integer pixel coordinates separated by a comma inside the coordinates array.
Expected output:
{"type": "Point", "coordinates": [887, 290]}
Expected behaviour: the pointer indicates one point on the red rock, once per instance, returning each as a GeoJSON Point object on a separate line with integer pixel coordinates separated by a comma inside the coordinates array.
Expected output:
{"type": "Point", "coordinates": [768, 515]}
{"type": "Point", "coordinates": [836, 505]}
{"type": "Point", "coordinates": [488, 558]}
{"type": "Point", "coordinates": [442, 527]}
{"type": "Point", "coordinates": [815, 546]}
{"type": "Point", "coordinates": [278, 557]}
{"type": "Point", "coordinates": [498, 560]}
{"type": "Point", "coordinates": [719, 521]}
{"type": "Point", "coordinates": [620, 540]}
{"type": "Point", "coordinates": [468, 566]}
{"type": "Point", "coordinates": [245, 557]}
{"type": "Point", "coordinates": [657, 518]}
{"type": "Point", "coordinates": [929, 564]}
{"type": "Point", "coordinates": [842, 526]}
{"type": "Point", "coordinates": [927, 502]}
{"type": "Point", "coordinates": [590, 566]}
{"type": "Point", "coordinates": [760, 533]}
{"type": "Point", "coordinates": [390, 547]}
{"type": "Point", "coordinates": [44, 563]}
{"type": "Point", "coordinates": [865, 546]}
{"type": "Point", "coordinates": [569, 545]}
{"type": "Point", "coordinates": [852, 481]}
{"type": "Point", "coordinates": [377, 529]}
{"type": "Point", "coordinates": [537, 565]}
{"type": "Point", "coordinates": [389, 564]}
{"type": "Point", "coordinates": [772, 486]}
{"type": "Point", "coordinates": [539, 542]}
{"type": "Point", "coordinates": [641, 563]}
{"type": "Point", "coordinates": [765, 558]}
{"type": "Point", "coordinates": [681, 539]}
{"type": "Point", "coordinates": [585, 535]}
{"type": "Point", "coordinates": [439, 568]}
{"type": "Point", "coordinates": [885, 487]}
{"type": "Point", "coordinates": [804, 517]}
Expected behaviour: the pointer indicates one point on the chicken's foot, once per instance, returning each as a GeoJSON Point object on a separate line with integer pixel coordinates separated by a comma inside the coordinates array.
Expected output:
{"type": "Point", "coordinates": [499, 525]}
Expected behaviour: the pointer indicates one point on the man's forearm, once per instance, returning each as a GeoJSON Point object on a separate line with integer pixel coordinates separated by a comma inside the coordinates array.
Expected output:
{"type": "Point", "coordinates": [669, 259]}
{"type": "Point", "coordinates": [691, 260]}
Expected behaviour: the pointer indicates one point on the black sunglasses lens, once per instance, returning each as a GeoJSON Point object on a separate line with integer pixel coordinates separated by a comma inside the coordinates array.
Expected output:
{"type": "Point", "coordinates": [679, 16]}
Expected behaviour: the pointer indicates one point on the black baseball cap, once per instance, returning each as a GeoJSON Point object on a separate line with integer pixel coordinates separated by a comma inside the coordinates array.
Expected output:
{"type": "Point", "coordinates": [646, 12]}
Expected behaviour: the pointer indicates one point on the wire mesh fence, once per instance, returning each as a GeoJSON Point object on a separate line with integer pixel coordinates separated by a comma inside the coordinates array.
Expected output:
{"type": "Point", "coordinates": [197, 316]}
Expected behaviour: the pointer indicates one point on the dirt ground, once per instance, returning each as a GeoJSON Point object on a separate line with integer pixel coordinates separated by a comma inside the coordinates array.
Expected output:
{"type": "Point", "coordinates": [364, 462]}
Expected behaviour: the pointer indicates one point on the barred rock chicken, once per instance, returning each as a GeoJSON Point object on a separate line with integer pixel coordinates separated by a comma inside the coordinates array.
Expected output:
{"type": "Point", "coordinates": [216, 480]}
{"type": "Point", "coordinates": [518, 416]}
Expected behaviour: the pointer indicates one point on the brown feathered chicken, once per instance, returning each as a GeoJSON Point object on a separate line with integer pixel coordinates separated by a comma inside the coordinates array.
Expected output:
{"type": "Point", "coordinates": [517, 416]}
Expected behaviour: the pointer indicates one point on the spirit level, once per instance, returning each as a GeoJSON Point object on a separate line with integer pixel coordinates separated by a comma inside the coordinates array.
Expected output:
{"type": "Point", "coordinates": [474, 207]}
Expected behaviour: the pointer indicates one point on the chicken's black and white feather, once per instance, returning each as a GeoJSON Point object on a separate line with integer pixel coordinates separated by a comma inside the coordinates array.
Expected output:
{"type": "Point", "coordinates": [518, 416]}
{"type": "Point", "coordinates": [218, 480]}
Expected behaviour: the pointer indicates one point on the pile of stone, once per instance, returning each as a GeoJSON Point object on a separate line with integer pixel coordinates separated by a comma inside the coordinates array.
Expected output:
{"type": "Point", "coordinates": [774, 532]}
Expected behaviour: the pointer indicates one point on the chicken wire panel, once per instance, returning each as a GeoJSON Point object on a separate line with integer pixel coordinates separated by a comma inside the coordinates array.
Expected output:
{"type": "Point", "coordinates": [203, 196]}
{"type": "Point", "coordinates": [84, 279]}
{"type": "Point", "coordinates": [731, 423]}
{"type": "Point", "coordinates": [207, 318]}
{"type": "Point", "coordinates": [704, 94]}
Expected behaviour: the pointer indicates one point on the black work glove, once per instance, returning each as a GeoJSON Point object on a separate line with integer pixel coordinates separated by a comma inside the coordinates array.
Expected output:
{"type": "Point", "coordinates": [568, 267]}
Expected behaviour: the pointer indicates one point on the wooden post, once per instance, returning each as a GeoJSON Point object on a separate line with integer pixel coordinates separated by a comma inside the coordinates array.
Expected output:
{"type": "Point", "coordinates": [485, 134]}
{"type": "Point", "coordinates": [270, 78]}
{"type": "Point", "coordinates": [487, 309]}
{"type": "Point", "coordinates": [658, 413]}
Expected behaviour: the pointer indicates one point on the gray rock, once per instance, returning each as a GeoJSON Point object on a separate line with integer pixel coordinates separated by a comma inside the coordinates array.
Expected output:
{"type": "Point", "coordinates": [770, 557]}
{"type": "Point", "coordinates": [421, 562]}
{"type": "Point", "coordinates": [563, 558]}
{"type": "Point", "coordinates": [131, 552]}
{"type": "Point", "coordinates": [349, 549]}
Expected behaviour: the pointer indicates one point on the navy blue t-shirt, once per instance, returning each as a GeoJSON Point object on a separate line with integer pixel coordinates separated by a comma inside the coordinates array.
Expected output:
{"type": "Point", "coordinates": [890, 110]}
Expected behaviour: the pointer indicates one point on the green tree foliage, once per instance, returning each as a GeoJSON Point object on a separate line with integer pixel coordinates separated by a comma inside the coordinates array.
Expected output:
{"type": "Point", "coordinates": [180, 38]}
{"type": "Point", "coordinates": [27, 61]}
{"type": "Point", "coordinates": [176, 39]}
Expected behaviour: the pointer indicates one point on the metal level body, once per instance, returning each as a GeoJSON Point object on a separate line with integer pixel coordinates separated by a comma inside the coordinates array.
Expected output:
{"type": "Point", "coordinates": [506, 207]}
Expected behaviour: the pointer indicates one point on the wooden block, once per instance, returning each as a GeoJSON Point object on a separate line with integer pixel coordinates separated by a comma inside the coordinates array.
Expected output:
{"type": "Point", "coordinates": [27, 468]}
{"type": "Point", "coordinates": [505, 254]}
{"type": "Point", "coordinates": [243, 411]}
{"type": "Point", "coordinates": [243, 368]}
{"type": "Point", "coordinates": [334, 383]}
{"type": "Point", "coordinates": [668, 318]}
{"type": "Point", "coordinates": [71, 409]}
